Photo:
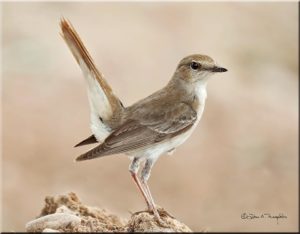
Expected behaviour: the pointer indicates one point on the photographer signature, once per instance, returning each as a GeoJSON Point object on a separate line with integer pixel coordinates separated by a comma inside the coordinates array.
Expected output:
{"type": "Point", "coordinates": [251, 216]}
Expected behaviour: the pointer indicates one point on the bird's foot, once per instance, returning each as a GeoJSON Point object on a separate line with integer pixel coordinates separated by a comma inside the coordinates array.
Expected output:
{"type": "Point", "coordinates": [158, 215]}
{"type": "Point", "coordinates": [163, 213]}
{"type": "Point", "coordinates": [161, 222]}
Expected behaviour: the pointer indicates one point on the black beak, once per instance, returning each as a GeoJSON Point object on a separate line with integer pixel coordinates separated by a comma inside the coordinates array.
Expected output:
{"type": "Point", "coordinates": [218, 69]}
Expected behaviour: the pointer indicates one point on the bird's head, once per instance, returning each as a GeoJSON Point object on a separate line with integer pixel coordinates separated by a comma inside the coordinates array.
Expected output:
{"type": "Point", "coordinates": [196, 68]}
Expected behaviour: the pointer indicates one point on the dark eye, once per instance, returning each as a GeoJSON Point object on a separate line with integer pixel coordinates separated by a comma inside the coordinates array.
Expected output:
{"type": "Point", "coordinates": [195, 65]}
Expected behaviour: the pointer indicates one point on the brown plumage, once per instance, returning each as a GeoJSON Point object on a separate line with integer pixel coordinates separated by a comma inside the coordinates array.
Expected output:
{"type": "Point", "coordinates": [90, 140]}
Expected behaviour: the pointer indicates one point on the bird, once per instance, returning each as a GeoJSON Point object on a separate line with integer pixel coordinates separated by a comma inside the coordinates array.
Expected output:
{"type": "Point", "coordinates": [152, 126]}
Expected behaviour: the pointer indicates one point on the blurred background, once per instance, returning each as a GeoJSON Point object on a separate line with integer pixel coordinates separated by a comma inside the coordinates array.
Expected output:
{"type": "Point", "coordinates": [243, 157]}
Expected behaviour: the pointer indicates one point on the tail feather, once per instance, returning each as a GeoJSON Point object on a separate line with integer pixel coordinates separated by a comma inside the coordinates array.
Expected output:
{"type": "Point", "coordinates": [103, 102]}
{"type": "Point", "coordinates": [102, 97]}
{"type": "Point", "coordinates": [90, 140]}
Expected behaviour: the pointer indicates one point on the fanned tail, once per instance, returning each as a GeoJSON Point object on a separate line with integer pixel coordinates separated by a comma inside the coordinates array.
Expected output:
{"type": "Point", "coordinates": [103, 102]}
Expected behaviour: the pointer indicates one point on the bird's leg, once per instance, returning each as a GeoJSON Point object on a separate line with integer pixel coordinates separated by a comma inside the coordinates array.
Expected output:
{"type": "Point", "coordinates": [144, 178]}
{"type": "Point", "coordinates": [133, 168]}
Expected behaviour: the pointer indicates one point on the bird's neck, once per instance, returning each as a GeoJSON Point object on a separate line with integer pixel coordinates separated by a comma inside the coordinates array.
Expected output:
{"type": "Point", "coordinates": [200, 90]}
{"type": "Point", "coordinates": [188, 90]}
{"type": "Point", "coordinates": [193, 93]}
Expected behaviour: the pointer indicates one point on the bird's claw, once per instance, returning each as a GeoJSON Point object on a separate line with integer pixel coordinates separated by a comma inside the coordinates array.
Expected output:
{"type": "Point", "coordinates": [163, 212]}
{"type": "Point", "coordinates": [157, 217]}
{"type": "Point", "coordinates": [158, 213]}
{"type": "Point", "coordinates": [161, 222]}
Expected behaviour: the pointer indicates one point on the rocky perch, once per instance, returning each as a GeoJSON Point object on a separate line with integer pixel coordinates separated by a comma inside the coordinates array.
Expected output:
{"type": "Point", "coordinates": [66, 213]}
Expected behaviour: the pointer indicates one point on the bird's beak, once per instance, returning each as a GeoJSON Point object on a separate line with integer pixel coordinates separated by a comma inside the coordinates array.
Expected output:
{"type": "Point", "coordinates": [218, 69]}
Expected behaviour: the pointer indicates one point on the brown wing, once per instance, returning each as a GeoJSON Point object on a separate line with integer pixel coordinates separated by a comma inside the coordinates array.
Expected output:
{"type": "Point", "coordinates": [141, 133]}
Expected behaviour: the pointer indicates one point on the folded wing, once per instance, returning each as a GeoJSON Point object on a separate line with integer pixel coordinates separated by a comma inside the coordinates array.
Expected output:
{"type": "Point", "coordinates": [149, 129]}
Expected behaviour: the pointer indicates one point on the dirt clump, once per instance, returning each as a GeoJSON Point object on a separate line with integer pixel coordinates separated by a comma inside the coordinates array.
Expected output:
{"type": "Point", "coordinates": [66, 213]}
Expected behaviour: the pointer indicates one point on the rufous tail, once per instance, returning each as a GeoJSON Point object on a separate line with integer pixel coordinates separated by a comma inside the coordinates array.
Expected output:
{"type": "Point", "coordinates": [102, 98]}
{"type": "Point", "coordinates": [103, 102]}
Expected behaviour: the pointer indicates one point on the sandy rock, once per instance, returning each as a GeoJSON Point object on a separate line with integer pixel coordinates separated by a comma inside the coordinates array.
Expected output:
{"type": "Point", "coordinates": [144, 222]}
{"type": "Point", "coordinates": [65, 213]}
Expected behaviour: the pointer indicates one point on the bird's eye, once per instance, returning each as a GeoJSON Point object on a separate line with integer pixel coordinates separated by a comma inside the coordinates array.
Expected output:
{"type": "Point", "coordinates": [195, 65]}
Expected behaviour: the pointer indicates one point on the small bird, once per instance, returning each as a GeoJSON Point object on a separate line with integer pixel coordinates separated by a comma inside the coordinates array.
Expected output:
{"type": "Point", "coordinates": [153, 126]}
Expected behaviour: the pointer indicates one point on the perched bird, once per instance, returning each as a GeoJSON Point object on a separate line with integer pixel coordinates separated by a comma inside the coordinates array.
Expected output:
{"type": "Point", "coordinates": [153, 126]}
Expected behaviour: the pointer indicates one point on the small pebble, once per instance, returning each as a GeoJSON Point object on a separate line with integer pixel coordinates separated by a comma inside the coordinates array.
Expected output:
{"type": "Point", "coordinates": [52, 221]}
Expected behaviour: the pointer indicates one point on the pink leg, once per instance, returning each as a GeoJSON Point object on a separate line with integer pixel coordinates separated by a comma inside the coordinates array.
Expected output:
{"type": "Point", "coordinates": [144, 178]}
{"type": "Point", "coordinates": [138, 183]}
{"type": "Point", "coordinates": [133, 168]}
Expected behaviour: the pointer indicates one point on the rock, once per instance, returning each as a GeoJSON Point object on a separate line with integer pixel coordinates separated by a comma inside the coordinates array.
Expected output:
{"type": "Point", "coordinates": [144, 222]}
{"type": "Point", "coordinates": [65, 213]}
{"type": "Point", "coordinates": [52, 221]}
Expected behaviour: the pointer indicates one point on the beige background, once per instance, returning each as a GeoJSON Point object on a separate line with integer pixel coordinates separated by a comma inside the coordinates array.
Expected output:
{"type": "Point", "coordinates": [241, 158]}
